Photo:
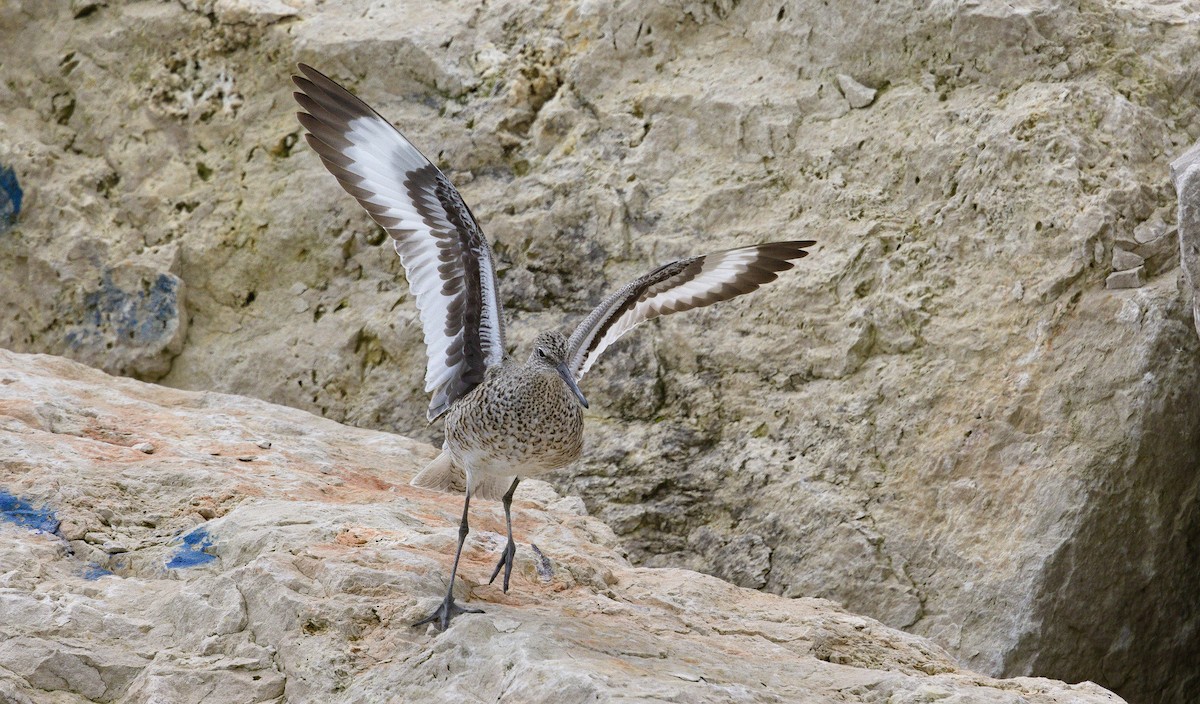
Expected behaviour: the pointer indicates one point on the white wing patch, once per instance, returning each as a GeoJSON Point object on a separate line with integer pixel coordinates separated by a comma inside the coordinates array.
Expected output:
{"type": "Point", "coordinates": [445, 255]}
{"type": "Point", "coordinates": [676, 287]}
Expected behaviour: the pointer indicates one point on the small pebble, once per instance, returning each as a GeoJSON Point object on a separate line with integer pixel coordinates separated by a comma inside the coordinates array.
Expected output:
{"type": "Point", "coordinates": [70, 530]}
{"type": "Point", "coordinates": [144, 447]}
{"type": "Point", "coordinates": [264, 444]}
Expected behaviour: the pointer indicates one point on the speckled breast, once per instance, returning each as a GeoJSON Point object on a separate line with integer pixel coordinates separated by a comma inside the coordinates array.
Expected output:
{"type": "Point", "coordinates": [516, 424]}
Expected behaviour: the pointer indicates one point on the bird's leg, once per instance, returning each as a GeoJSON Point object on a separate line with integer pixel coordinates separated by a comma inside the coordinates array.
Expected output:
{"type": "Point", "coordinates": [510, 550]}
{"type": "Point", "coordinates": [449, 609]}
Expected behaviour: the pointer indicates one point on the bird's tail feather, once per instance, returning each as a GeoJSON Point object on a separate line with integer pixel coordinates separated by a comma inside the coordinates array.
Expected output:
{"type": "Point", "coordinates": [443, 475]}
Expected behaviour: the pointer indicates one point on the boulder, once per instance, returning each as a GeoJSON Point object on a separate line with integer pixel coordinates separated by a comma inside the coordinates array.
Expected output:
{"type": "Point", "coordinates": [292, 573]}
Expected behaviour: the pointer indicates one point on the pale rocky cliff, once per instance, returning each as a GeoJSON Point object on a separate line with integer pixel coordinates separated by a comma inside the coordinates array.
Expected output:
{"type": "Point", "coordinates": [171, 546]}
{"type": "Point", "coordinates": [950, 418]}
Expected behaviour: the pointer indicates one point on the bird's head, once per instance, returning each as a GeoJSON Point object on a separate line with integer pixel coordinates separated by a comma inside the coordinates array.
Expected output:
{"type": "Point", "coordinates": [550, 352]}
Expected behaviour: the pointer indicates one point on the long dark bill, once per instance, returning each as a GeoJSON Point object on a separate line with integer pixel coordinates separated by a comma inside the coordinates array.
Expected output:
{"type": "Point", "coordinates": [569, 378]}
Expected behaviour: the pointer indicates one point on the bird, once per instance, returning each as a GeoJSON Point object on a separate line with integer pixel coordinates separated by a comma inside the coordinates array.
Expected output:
{"type": "Point", "coordinates": [505, 419]}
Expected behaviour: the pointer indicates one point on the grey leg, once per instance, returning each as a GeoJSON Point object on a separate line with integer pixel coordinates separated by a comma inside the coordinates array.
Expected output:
{"type": "Point", "coordinates": [449, 609]}
{"type": "Point", "coordinates": [510, 550]}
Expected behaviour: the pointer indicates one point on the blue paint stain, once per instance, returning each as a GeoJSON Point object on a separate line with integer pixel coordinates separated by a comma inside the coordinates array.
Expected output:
{"type": "Point", "coordinates": [144, 316]}
{"type": "Point", "coordinates": [193, 551]}
{"type": "Point", "coordinates": [22, 513]}
{"type": "Point", "coordinates": [10, 198]}
{"type": "Point", "coordinates": [92, 571]}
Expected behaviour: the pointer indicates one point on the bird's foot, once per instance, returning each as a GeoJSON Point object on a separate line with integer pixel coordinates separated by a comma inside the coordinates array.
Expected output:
{"type": "Point", "coordinates": [506, 561]}
{"type": "Point", "coordinates": [448, 610]}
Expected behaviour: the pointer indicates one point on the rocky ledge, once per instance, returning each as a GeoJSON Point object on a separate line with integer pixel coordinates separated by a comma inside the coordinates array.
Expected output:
{"type": "Point", "coordinates": [164, 545]}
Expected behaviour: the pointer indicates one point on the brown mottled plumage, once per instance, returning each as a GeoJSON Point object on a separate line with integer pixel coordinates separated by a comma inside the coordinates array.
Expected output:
{"type": "Point", "coordinates": [523, 419]}
{"type": "Point", "coordinates": [504, 420]}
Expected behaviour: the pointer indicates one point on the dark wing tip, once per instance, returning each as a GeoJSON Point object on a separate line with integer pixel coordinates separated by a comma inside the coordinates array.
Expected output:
{"type": "Point", "coordinates": [313, 81]}
{"type": "Point", "coordinates": [794, 249]}
{"type": "Point", "coordinates": [310, 72]}
{"type": "Point", "coordinates": [778, 256]}
{"type": "Point", "coordinates": [309, 79]}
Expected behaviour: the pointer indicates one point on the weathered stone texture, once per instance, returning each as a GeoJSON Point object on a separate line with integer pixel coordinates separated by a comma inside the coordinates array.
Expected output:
{"type": "Point", "coordinates": [942, 419]}
{"type": "Point", "coordinates": [291, 573]}
{"type": "Point", "coordinates": [1185, 172]}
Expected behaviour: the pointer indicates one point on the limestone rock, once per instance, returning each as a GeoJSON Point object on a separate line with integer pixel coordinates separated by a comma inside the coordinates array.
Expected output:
{"type": "Point", "coordinates": [320, 555]}
{"type": "Point", "coordinates": [1161, 252]}
{"type": "Point", "coordinates": [10, 198]}
{"type": "Point", "coordinates": [134, 322]}
{"type": "Point", "coordinates": [1132, 278]}
{"type": "Point", "coordinates": [941, 419]}
{"type": "Point", "coordinates": [1124, 260]}
{"type": "Point", "coordinates": [254, 12]}
{"type": "Point", "coordinates": [858, 95]}
{"type": "Point", "coordinates": [1185, 172]}
{"type": "Point", "coordinates": [1150, 231]}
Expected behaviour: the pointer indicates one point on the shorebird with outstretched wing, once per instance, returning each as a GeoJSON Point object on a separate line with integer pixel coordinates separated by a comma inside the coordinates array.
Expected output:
{"type": "Point", "coordinates": [505, 419]}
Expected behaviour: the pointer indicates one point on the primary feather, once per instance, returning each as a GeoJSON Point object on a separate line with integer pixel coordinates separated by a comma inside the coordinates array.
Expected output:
{"type": "Point", "coordinates": [444, 252]}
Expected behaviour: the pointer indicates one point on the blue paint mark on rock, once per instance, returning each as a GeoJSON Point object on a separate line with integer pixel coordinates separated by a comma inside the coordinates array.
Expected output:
{"type": "Point", "coordinates": [143, 315]}
{"type": "Point", "coordinates": [10, 198]}
{"type": "Point", "coordinates": [23, 513]}
{"type": "Point", "coordinates": [193, 551]}
{"type": "Point", "coordinates": [92, 571]}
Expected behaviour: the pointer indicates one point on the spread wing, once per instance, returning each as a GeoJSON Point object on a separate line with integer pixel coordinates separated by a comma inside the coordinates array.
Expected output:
{"type": "Point", "coordinates": [445, 255]}
{"type": "Point", "coordinates": [688, 283]}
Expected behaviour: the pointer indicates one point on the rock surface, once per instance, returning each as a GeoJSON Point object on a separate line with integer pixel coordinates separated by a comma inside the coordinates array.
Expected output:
{"type": "Point", "coordinates": [10, 198]}
{"type": "Point", "coordinates": [1130, 278]}
{"type": "Point", "coordinates": [858, 95]}
{"type": "Point", "coordinates": [942, 419]}
{"type": "Point", "coordinates": [216, 570]}
{"type": "Point", "coordinates": [1185, 173]}
{"type": "Point", "coordinates": [1124, 260]}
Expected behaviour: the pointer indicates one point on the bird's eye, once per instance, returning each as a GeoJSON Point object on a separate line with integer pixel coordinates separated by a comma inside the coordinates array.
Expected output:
{"type": "Point", "coordinates": [541, 353]}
